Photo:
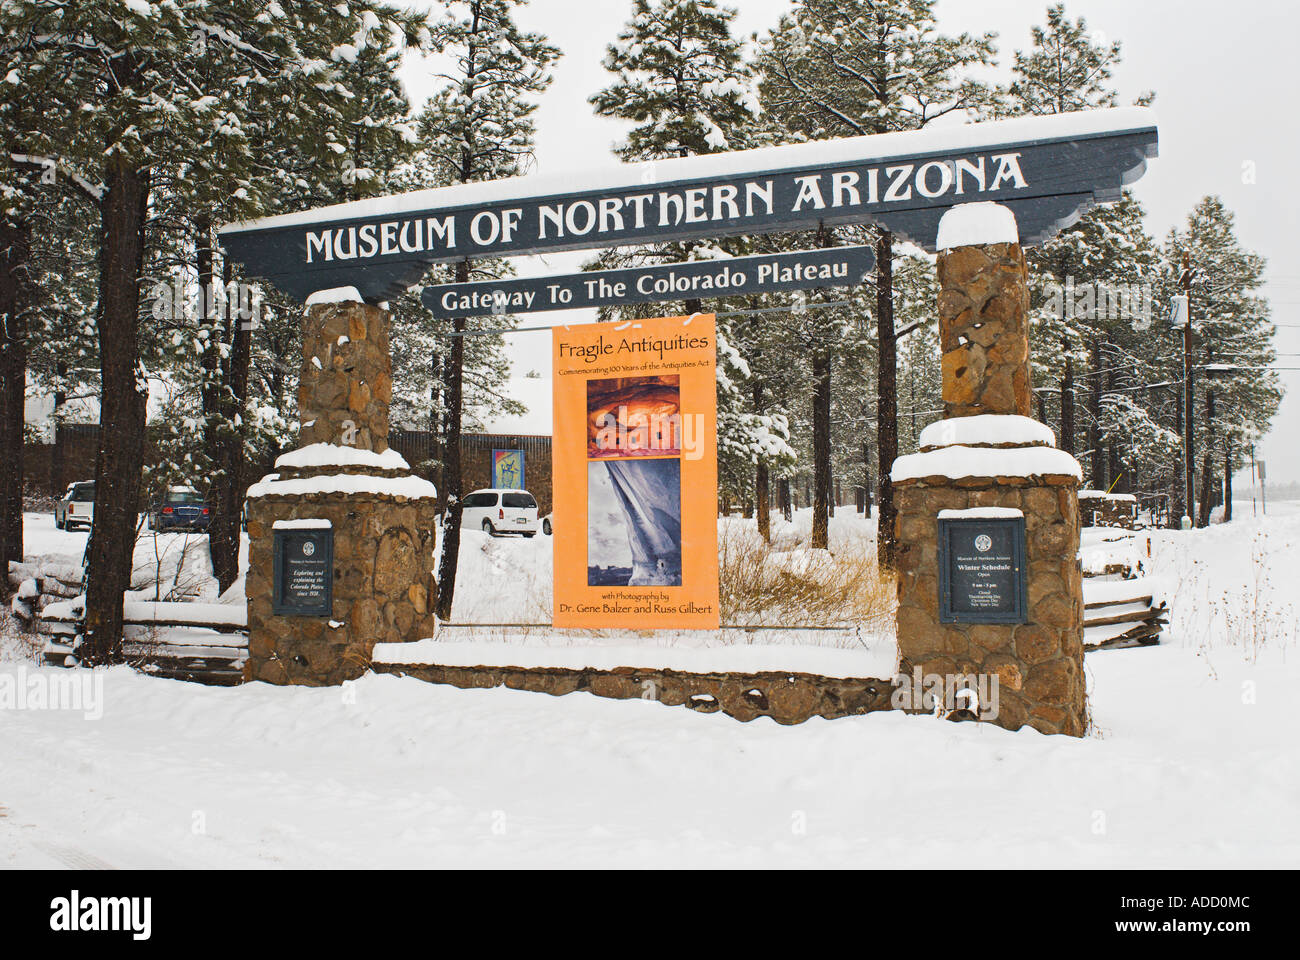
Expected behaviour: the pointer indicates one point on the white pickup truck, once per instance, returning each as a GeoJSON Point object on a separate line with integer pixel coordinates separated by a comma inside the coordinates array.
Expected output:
{"type": "Point", "coordinates": [77, 508]}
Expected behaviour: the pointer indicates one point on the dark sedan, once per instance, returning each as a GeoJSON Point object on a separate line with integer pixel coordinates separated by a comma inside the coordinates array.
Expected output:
{"type": "Point", "coordinates": [180, 508]}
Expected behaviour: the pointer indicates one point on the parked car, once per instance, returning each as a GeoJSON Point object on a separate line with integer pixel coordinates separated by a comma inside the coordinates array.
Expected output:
{"type": "Point", "coordinates": [77, 507]}
{"type": "Point", "coordinates": [546, 524]}
{"type": "Point", "coordinates": [179, 508]}
{"type": "Point", "coordinates": [498, 512]}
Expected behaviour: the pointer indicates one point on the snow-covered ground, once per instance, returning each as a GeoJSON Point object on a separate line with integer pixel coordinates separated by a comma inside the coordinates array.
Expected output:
{"type": "Point", "coordinates": [1192, 763]}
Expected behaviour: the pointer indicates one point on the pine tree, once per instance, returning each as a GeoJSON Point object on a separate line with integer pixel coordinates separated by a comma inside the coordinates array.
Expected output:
{"type": "Point", "coordinates": [1235, 393]}
{"type": "Point", "coordinates": [834, 69]}
{"type": "Point", "coordinates": [1068, 68]}
{"type": "Point", "coordinates": [682, 80]}
{"type": "Point", "coordinates": [479, 126]}
{"type": "Point", "coordinates": [129, 94]}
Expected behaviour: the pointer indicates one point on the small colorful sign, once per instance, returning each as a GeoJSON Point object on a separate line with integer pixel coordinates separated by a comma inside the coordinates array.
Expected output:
{"type": "Point", "coordinates": [508, 469]}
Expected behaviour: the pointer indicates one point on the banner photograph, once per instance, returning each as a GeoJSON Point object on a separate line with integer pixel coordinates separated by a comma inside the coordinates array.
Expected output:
{"type": "Point", "coordinates": [635, 474]}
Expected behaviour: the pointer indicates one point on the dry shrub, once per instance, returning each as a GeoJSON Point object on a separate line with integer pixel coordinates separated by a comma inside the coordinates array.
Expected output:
{"type": "Point", "coordinates": [16, 643]}
{"type": "Point", "coordinates": [790, 584]}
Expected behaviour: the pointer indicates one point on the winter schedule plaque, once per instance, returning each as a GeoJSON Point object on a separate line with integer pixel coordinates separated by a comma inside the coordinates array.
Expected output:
{"type": "Point", "coordinates": [982, 570]}
{"type": "Point", "coordinates": [304, 569]}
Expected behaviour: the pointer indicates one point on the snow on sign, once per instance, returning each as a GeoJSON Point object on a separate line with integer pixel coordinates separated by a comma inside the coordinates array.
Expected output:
{"type": "Point", "coordinates": [1047, 170]}
{"type": "Point", "coordinates": [802, 270]}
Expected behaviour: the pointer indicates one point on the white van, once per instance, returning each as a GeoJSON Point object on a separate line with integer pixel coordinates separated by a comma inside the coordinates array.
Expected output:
{"type": "Point", "coordinates": [497, 512]}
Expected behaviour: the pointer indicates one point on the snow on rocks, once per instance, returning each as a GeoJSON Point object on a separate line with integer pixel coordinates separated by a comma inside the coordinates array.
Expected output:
{"type": "Point", "coordinates": [337, 455]}
{"type": "Point", "coordinates": [977, 224]}
{"type": "Point", "coordinates": [982, 513]}
{"type": "Point", "coordinates": [1101, 495]}
{"type": "Point", "coordinates": [334, 295]}
{"type": "Point", "coordinates": [959, 462]}
{"type": "Point", "coordinates": [986, 430]}
{"type": "Point", "coordinates": [732, 658]}
{"type": "Point", "coordinates": [410, 488]}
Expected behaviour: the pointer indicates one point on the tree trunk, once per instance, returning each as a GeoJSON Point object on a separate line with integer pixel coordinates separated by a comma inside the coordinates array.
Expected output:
{"type": "Point", "coordinates": [228, 454]}
{"type": "Point", "coordinates": [1207, 470]}
{"type": "Point", "coordinates": [453, 394]}
{"type": "Point", "coordinates": [866, 479]}
{"type": "Point", "coordinates": [15, 295]}
{"type": "Point", "coordinates": [1227, 486]}
{"type": "Point", "coordinates": [1097, 456]}
{"type": "Point", "coordinates": [1179, 498]}
{"type": "Point", "coordinates": [821, 417]}
{"type": "Point", "coordinates": [762, 479]}
{"type": "Point", "coordinates": [886, 397]}
{"type": "Point", "coordinates": [123, 395]}
{"type": "Point", "coordinates": [1207, 481]}
{"type": "Point", "coordinates": [58, 454]}
{"type": "Point", "coordinates": [1067, 402]}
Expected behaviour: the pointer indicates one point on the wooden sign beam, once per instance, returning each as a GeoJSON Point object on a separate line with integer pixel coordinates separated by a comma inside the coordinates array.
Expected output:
{"type": "Point", "coordinates": [1048, 170]}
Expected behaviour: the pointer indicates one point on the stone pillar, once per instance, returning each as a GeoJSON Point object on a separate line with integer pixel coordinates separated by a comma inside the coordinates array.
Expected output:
{"type": "Point", "coordinates": [343, 474]}
{"type": "Point", "coordinates": [987, 459]}
{"type": "Point", "coordinates": [346, 380]}
{"type": "Point", "coordinates": [984, 330]}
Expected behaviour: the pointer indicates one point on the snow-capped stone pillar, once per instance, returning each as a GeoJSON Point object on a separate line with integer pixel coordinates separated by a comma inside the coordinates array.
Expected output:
{"type": "Point", "coordinates": [312, 622]}
{"type": "Point", "coordinates": [983, 312]}
{"type": "Point", "coordinates": [346, 381]}
{"type": "Point", "coordinates": [989, 585]}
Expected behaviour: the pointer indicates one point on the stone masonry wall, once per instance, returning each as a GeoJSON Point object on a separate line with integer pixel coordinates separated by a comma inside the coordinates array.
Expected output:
{"type": "Point", "coordinates": [983, 330]}
{"type": "Point", "coordinates": [384, 587]}
{"type": "Point", "coordinates": [1039, 664]}
{"type": "Point", "coordinates": [347, 375]}
{"type": "Point", "coordinates": [787, 698]}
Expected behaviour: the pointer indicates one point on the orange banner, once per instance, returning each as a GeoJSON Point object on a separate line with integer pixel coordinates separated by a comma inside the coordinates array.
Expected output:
{"type": "Point", "coordinates": [635, 475]}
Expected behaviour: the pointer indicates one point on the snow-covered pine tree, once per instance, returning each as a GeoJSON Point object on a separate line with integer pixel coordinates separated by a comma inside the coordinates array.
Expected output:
{"type": "Point", "coordinates": [834, 68]}
{"type": "Point", "coordinates": [1236, 394]}
{"type": "Point", "coordinates": [124, 97]}
{"type": "Point", "coordinates": [317, 146]}
{"type": "Point", "coordinates": [1093, 295]}
{"type": "Point", "coordinates": [478, 126]}
{"type": "Point", "coordinates": [1068, 68]}
{"type": "Point", "coordinates": [29, 189]}
{"type": "Point", "coordinates": [681, 79]}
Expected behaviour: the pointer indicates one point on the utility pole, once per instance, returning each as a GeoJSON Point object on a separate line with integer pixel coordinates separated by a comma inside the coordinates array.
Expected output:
{"type": "Point", "coordinates": [1254, 507]}
{"type": "Point", "coordinates": [1189, 435]}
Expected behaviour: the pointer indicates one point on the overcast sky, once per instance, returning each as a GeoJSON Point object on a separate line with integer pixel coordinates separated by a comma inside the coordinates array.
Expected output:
{"type": "Point", "coordinates": [1224, 76]}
